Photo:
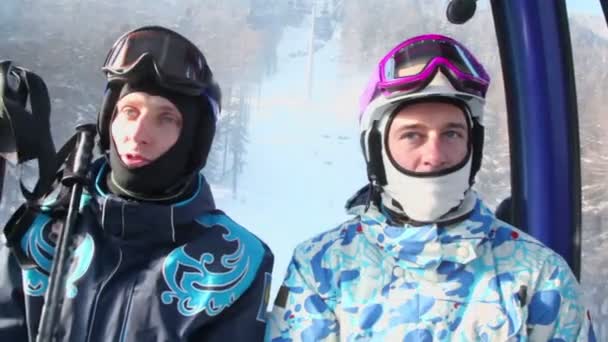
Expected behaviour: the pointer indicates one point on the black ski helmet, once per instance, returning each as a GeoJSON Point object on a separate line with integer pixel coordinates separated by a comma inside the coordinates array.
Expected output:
{"type": "Point", "coordinates": [170, 61]}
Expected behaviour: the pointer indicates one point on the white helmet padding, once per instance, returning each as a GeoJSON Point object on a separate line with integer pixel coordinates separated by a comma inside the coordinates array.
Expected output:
{"type": "Point", "coordinates": [427, 198]}
{"type": "Point", "coordinates": [439, 88]}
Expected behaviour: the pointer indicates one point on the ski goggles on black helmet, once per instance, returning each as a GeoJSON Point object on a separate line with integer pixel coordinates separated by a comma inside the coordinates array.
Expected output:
{"type": "Point", "coordinates": [177, 63]}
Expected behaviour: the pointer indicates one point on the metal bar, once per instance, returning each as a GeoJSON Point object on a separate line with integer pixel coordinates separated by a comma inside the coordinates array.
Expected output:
{"type": "Point", "coordinates": [536, 55]}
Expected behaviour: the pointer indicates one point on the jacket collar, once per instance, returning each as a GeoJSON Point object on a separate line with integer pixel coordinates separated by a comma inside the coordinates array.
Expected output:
{"type": "Point", "coordinates": [147, 221]}
{"type": "Point", "coordinates": [365, 197]}
{"type": "Point", "coordinates": [427, 246]}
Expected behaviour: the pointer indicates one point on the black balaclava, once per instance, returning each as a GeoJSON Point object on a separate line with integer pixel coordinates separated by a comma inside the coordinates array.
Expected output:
{"type": "Point", "coordinates": [171, 174]}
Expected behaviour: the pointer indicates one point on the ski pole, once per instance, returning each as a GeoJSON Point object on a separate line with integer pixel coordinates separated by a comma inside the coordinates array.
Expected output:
{"type": "Point", "coordinates": [56, 291]}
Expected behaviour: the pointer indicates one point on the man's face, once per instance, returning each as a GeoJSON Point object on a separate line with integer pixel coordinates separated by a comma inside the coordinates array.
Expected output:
{"type": "Point", "coordinates": [428, 137]}
{"type": "Point", "coordinates": [144, 128]}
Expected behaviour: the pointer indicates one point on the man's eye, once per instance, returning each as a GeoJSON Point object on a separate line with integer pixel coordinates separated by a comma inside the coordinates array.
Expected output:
{"type": "Point", "coordinates": [410, 136]}
{"type": "Point", "coordinates": [453, 134]}
{"type": "Point", "coordinates": [169, 119]}
{"type": "Point", "coordinates": [128, 112]}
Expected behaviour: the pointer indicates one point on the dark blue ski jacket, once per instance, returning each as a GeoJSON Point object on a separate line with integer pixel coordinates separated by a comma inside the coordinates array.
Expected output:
{"type": "Point", "coordinates": [141, 272]}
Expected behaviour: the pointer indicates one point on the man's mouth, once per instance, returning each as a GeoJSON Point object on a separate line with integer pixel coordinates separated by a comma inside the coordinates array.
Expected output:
{"type": "Point", "coordinates": [134, 160]}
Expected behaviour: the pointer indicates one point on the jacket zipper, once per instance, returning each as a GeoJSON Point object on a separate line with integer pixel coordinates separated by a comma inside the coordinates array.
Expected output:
{"type": "Point", "coordinates": [125, 322]}
{"type": "Point", "coordinates": [103, 285]}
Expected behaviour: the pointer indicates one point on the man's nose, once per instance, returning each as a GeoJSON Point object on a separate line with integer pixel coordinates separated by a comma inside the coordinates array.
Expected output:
{"type": "Point", "coordinates": [434, 156]}
{"type": "Point", "coordinates": [141, 130]}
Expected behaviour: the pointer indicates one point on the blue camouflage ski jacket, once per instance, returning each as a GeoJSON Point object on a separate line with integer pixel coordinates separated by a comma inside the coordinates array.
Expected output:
{"type": "Point", "coordinates": [142, 272]}
{"type": "Point", "coordinates": [477, 280]}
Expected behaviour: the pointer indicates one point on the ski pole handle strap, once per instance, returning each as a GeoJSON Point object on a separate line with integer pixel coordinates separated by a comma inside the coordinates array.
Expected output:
{"type": "Point", "coordinates": [30, 132]}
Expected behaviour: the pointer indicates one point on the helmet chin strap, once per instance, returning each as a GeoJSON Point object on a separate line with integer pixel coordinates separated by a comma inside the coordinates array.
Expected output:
{"type": "Point", "coordinates": [167, 176]}
{"type": "Point", "coordinates": [177, 191]}
{"type": "Point", "coordinates": [455, 215]}
{"type": "Point", "coordinates": [428, 199]}
{"type": "Point", "coordinates": [443, 196]}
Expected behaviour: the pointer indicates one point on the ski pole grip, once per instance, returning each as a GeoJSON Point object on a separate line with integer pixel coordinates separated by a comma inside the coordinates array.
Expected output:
{"type": "Point", "coordinates": [83, 155]}
{"type": "Point", "coordinates": [84, 152]}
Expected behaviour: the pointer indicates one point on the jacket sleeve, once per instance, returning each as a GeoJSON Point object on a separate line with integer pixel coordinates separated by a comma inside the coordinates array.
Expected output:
{"type": "Point", "coordinates": [12, 307]}
{"type": "Point", "coordinates": [301, 312]}
{"type": "Point", "coordinates": [245, 320]}
{"type": "Point", "coordinates": [556, 311]}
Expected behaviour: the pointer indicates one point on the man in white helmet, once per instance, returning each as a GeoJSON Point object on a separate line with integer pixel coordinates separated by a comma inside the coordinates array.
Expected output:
{"type": "Point", "coordinates": [424, 259]}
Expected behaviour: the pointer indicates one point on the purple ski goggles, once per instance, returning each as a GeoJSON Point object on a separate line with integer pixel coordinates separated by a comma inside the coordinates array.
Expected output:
{"type": "Point", "coordinates": [411, 65]}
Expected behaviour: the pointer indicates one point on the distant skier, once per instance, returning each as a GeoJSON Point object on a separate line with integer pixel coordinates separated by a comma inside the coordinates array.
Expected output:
{"type": "Point", "coordinates": [153, 259]}
{"type": "Point", "coordinates": [424, 259]}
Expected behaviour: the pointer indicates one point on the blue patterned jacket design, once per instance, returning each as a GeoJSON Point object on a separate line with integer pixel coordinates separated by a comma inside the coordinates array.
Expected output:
{"type": "Point", "coordinates": [141, 271]}
{"type": "Point", "coordinates": [477, 280]}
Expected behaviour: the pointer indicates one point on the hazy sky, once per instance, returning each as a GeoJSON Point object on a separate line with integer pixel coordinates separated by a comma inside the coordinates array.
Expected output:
{"type": "Point", "coordinates": [586, 6]}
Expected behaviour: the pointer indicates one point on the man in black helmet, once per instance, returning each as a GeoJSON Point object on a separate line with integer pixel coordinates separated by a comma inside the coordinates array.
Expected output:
{"type": "Point", "coordinates": [153, 259]}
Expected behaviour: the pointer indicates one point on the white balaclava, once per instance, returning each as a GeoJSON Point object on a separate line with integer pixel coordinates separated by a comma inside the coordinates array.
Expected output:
{"type": "Point", "coordinates": [423, 197]}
